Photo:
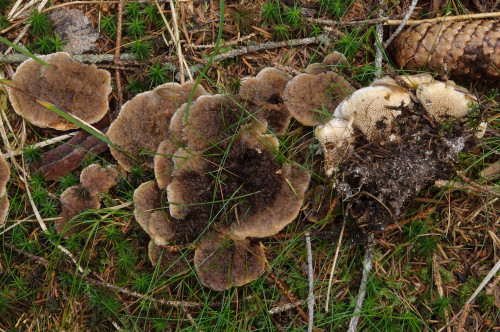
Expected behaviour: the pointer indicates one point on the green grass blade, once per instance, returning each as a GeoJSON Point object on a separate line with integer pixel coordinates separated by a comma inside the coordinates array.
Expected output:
{"type": "Point", "coordinates": [23, 51]}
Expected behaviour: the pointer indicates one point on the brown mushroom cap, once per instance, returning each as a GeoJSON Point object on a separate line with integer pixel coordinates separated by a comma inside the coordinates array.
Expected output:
{"type": "Point", "coordinates": [334, 60]}
{"type": "Point", "coordinates": [152, 214]}
{"type": "Point", "coordinates": [99, 179]}
{"type": "Point", "coordinates": [211, 119]}
{"type": "Point", "coordinates": [81, 90]}
{"type": "Point", "coordinates": [94, 179]}
{"type": "Point", "coordinates": [266, 91]}
{"type": "Point", "coordinates": [143, 122]}
{"type": "Point", "coordinates": [445, 99]}
{"type": "Point", "coordinates": [309, 96]}
{"type": "Point", "coordinates": [171, 263]}
{"type": "Point", "coordinates": [4, 200]}
{"type": "Point", "coordinates": [74, 201]}
{"type": "Point", "coordinates": [222, 263]}
{"type": "Point", "coordinates": [163, 164]}
{"type": "Point", "coordinates": [279, 212]}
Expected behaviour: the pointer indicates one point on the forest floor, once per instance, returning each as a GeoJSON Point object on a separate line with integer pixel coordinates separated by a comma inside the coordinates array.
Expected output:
{"type": "Point", "coordinates": [424, 268]}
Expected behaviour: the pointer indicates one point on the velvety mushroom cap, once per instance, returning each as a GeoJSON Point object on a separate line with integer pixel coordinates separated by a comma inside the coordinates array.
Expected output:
{"type": "Point", "coordinates": [222, 263]}
{"type": "Point", "coordinates": [372, 109]}
{"type": "Point", "coordinates": [445, 99]}
{"type": "Point", "coordinates": [267, 86]}
{"type": "Point", "coordinates": [312, 98]}
{"type": "Point", "coordinates": [74, 201]}
{"type": "Point", "coordinates": [94, 179]}
{"type": "Point", "coordinates": [211, 120]}
{"type": "Point", "coordinates": [333, 61]}
{"type": "Point", "coordinates": [4, 200]}
{"type": "Point", "coordinates": [152, 214]}
{"type": "Point", "coordinates": [171, 263]}
{"type": "Point", "coordinates": [266, 91]}
{"type": "Point", "coordinates": [81, 90]}
{"type": "Point", "coordinates": [337, 139]}
{"type": "Point", "coordinates": [163, 164]}
{"type": "Point", "coordinates": [143, 122]}
{"type": "Point", "coordinates": [99, 179]}
{"type": "Point", "coordinates": [281, 210]}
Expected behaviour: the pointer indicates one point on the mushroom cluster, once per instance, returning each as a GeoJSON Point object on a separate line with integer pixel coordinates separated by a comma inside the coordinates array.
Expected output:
{"type": "Point", "coordinates": [94, 180]}
{"type": "Point", "coordinates": [388, 141]}
{"type": "Point", "coordinates": [79, 89]}
{"type": "Point", "coordinates": [219, 184]}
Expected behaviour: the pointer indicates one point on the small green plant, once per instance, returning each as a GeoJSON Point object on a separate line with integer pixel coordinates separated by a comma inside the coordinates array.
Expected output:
{"type": "Point", "coordinates": [48, 208]}
{"type": "Point", "coordinates": [243, 17]}
{"type": "Point", "coordinates": [337, 8]}
{"type": "Point", "coordinates": [440, 306]}
{"type": "Point", "coordinates": [4, 22]}
{"type": "Point", "coordinates": [31, 154]}
{"type": "Point", "coordinates": [293, 17]}
{"type": "Point", "coordinates": [141, 49]}
{"type": "Point", "coordinates": [4, 4]}
{"type": "Point", "coordinates": [49, 44]}
{"type": "Point", "coordinates": [136, 27]}
{"type": "Point", "coordinates": [134, 86]}
{"type": "Point", "coordinates": [426, 246]}
{"type": "Point", "coordinates": [157, 74]}
{"type": "Point", "coordinates": [40, 23]}
{"type": "Point", "coordinates": [67, 181]}
{"type": "Point", "coordinates": [280, 31]}
{"type": "Point", "coordinates": [151, 14]}
{"type": "Point", "coordinates": [132, 9]}
{"type": "Point", "coordinates": [112, 234]}
{"type": "Point", "coordinates": [271, 13]}
{"type": "Point", "coordinates": [142, 282]}
{"type": "Point", "coordinates": [108, 25]}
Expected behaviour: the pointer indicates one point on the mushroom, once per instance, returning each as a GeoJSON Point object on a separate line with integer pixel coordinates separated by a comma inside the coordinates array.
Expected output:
{"type": "Point", "coordinates": [143, 122]}
{"type": "Point", "coordinates": [445, 99]}
{"type": "Point", "coordinates": [266, 91]}
{"type": "Point", "coordinates": [4, 199]}
{"type": "Point", "coordinates": [171, 262]}
{"type": "Point", "coordinates": [336, 138]}
{"type": "Point", "coordinates": [224, 179]}
{"type": "Point", "coordinates": [152, 215]}
{"type": "Point", "coordinates": [312, 96]}
{"type": "Point", "coordinates": [222, 263]}
{"type": "Point", "coordinates": [81, 90]}
{"type": "Point", "coordinates": [94, 179]}
{"type": "Point", "coordinates": [372, 109]}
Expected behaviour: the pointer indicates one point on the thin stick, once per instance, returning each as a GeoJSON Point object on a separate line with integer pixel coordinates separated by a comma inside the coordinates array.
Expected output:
{"type": "Point", "coordinates": [323, 38]}
{"type": "Point", "coordinates": [446, 19]}
{"type": "Point", "coordinates": [402, 25]}
{"type": "Point", "coordinates": [367, 266]}
{"type": "Point", "coordinates": [479, 288]}
{"type": "Point", "coordinates": [379, 41]}
{"type": "Point", "coordinates": [333, 265]}
{"type": "Point", "coordinates": [116, 61]}
{"type": "Point", "coordinates": [310, 276]}
{"type": "Point", "coordinates": [177, 40]}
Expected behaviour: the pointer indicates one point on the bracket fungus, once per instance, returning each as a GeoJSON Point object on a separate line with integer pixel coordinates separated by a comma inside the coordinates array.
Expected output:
{"type": "Point", "coordinates": [312, 96]}
{"type": "Point", "coordinates": [4, 200]}
{"type": "Point", "coordinates": [81, 90]}
{"type": "Point", "coordinates": [143, 122]}
{"type": "Point", "coordinates": [401, 146]}
{"type": "Point", "coordinates": [94, 180]}
{"type": "Point", "coordinates": [226, 189]}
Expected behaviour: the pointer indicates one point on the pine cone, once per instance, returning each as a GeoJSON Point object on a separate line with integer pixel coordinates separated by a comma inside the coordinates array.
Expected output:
{"type": "Point", "coordinates": [467, 49]}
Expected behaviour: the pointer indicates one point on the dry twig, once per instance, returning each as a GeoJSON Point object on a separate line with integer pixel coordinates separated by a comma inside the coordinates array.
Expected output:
{"type": "Point", "coordinates": [310, 276]}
